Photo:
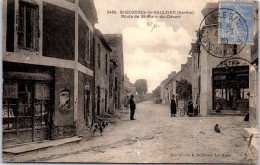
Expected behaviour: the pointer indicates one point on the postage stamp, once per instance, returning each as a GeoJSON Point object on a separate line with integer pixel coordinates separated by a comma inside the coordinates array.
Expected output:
{"type": "Point", "coordinates": [236, 22]}
{"type": "Point", "coordinates": [209, 35]}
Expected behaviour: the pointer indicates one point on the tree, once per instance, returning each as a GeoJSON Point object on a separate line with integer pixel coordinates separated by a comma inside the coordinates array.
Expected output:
{"type": "Point", "coordinates": [157, 95]}
{"type": "Point", "coordinates": [157, 92]}
{"type": "Point", "coordinates": [141, 86]}
{"type": "Point", "coordinates": [184, 89]}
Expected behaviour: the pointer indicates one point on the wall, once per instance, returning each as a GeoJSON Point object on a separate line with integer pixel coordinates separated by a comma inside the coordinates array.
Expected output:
{"type": "Point", "coordinates": [115, 41]}
{"type": "Point", "coordinates": [58, 41]}
{"type": "Point", "coordinates": [84, 120]}
{"type": "Point", "coordinates": [102, 73]}
{"type": "Point", "coordinates": [64, 125]}
{"type": "Point", "coordinates": [89, 10]}
{"type": "Point", "coordinates": [85, 44]}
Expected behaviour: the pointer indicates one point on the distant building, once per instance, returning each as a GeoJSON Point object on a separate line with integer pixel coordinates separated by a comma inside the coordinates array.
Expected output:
{"type": "Point", "coordinates": [115, 41]}
{"type": "Point", "coordinates": [169, 86]}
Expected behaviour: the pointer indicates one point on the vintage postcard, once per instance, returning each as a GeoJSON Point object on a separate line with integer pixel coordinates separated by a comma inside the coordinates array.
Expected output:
{"type": "Point", "coordinates": [130, 81]}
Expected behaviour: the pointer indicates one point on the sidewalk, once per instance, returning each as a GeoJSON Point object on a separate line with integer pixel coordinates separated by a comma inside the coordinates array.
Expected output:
{"type": "Point", "coordinates": [41, 145]}
{"type": "Point", "coordinates": [41, 152]}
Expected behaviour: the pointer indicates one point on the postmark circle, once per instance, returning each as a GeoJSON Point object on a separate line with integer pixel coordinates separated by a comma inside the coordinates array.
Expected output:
{"type": "Point", "coordinates": [209, 33]}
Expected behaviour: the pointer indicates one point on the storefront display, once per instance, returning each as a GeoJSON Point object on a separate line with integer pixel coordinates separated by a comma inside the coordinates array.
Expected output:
{"type": "Point", "coordinates": [26, 106]}
{"type": "Point", "coordinates": [231, 88]}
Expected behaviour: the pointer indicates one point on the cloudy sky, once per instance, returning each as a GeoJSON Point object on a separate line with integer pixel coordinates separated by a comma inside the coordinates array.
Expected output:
{"type": "Point", "coordinates": [151, 54]}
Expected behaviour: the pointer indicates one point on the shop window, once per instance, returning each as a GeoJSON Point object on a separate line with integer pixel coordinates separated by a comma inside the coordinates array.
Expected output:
{"type": "Point", "coordinates": [26, 105]}
{"type": "Point", "coordinates": [41, 104]}
{"type": "Point", "coordinates": [231, 88]}
{"type": "Point", "coordinates": [9, 113]}
{"type": "Point", "coordinates": [28, 25]}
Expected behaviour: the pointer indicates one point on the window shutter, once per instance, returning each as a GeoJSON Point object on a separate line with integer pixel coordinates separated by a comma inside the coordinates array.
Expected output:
{"type": "Point", "coordinates": [38, 33]}
{"type": "Point", "coordinates": [10, 26]}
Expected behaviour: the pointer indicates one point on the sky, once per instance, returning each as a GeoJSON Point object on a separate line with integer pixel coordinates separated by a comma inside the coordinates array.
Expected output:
{"type": "Point", "coordinates": [151, 53]}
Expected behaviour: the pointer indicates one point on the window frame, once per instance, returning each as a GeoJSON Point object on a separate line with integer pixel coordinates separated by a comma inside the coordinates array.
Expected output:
{"type": "Point", "coordinates": [34, 9]}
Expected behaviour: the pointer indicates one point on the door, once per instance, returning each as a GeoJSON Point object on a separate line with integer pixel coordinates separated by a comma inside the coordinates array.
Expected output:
{"type": "Point", "coordinates": [98, 101]}
{"type": "Point", "coordinates": [105, 100]}
{"type": "Point", "coordinates": [41, 110]}
{"type": "Point", "coordinates": [87, 105]}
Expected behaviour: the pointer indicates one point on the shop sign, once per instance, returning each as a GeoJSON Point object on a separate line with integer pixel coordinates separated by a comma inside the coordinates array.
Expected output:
{"type": "Point", "coordinates": [231, 63]}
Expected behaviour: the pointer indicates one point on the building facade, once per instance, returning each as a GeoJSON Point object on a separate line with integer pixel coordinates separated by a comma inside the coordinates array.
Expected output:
{"type": "Point", "coordinates": [102, 71]}
{"type": "Point", "coordinates": [169, 86]}
{"type": "Point", "coordinates": [48, 69]}
{"type": "Point", "coordinates": [225, 78]}
{"type": "Point", "coordinates": [254, 75]}
{"type": "Point", "coordinates": [115, 41]}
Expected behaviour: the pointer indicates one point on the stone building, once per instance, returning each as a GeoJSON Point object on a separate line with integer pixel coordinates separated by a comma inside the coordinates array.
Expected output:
{"type": "Point", "coordinates": [253, 76]}
{"type": "Point", "coordinates": [221, 71]}
{"type": "Point", "coordinates": [102, 71]}
{"type": "Point", "coordinates": [48, 69]}
{"type": "Point", "coordinates": [115, 42]}
{"type": "Point", "coordinates": [196, 72]}
{"type": "Point", "coordinates": [169, 86]}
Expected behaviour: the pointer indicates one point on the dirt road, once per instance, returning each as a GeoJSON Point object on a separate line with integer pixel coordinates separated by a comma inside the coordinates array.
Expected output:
{"type": "Point", "coordinates": [155, 137]}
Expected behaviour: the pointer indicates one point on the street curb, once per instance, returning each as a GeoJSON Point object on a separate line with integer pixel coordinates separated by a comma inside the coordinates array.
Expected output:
{"type": "Point", "coordinates": [39, 146]}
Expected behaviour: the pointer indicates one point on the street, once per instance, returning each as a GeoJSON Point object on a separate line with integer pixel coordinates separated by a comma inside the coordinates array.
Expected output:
{"type": "Point", "coordinates": [155, 137]}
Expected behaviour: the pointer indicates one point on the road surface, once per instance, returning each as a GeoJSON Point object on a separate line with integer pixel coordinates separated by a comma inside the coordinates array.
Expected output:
{"type": "Point", "coordinates": [155, 137]}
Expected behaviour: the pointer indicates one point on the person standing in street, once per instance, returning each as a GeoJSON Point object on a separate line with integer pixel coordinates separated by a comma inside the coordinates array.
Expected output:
{"type": "Point", "coordinates": [132, 108]}
{"type": "Point", "coordinates": [173, 106]}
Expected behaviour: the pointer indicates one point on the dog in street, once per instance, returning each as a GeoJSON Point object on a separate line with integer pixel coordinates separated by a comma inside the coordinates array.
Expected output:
{"type": "Point", "coordinates": [98, 125]}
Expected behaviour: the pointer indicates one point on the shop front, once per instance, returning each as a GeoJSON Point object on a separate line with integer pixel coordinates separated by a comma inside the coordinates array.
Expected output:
{"type": "Point", "coordinates": [231, 88]}
{"type": "Point", "coordinates": [27, 105]}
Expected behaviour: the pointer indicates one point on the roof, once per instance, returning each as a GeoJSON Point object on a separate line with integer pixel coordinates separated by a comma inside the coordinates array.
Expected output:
{"type": "Point", "coordinates": [100, 35]}
{"type": "Point", "coordinates": [114, 40]}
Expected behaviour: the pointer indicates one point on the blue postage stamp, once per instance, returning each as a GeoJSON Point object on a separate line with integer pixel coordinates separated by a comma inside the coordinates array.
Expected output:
{"type": "Point", "coordinates": [236, 22]}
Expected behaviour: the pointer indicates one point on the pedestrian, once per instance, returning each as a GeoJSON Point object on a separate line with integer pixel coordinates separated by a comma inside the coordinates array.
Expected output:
{"type": "Point", "coordinates": [132, 107]}
{"type": "Point", "coordinates": [173, 106]}
{"type": "Point", "coordinates": [190, 106]}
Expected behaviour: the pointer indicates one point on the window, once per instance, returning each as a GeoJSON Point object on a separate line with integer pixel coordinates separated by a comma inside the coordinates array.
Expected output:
{"type": "Point", "coordinates": [235, 49]}
{"type": "Point", "coordinates": [106, 63]}
{"type": "Point", "coordinates": [27, 25]}
{"type": "Point", "coordinates": [115, 83]}
{"type": "Point", "coordinates": [87, 45]}
{"type": "Point", "coordinates": [99, 51]}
